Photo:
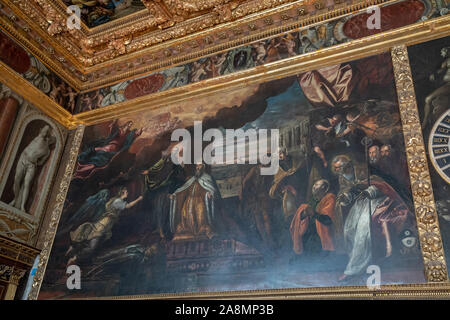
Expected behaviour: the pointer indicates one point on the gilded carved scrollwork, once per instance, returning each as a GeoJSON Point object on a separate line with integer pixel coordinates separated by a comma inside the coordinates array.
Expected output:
{"type": "Point", "coordinates": [427, 219]}
{"type": "Point", "coordinates": [164, 20]}
{"type": "Point", "coordinates": [56, 212]}
{"type": "Point", "coordinates": [16, 251]}
{"type": "Point", "coordinates": [88, 58]}
{"type": "Point", "coordinates": [11, 274]}
{"type": "Point", "coordinates": [16, 227]}
{"type": "Point", "coordinates": [16, 275]}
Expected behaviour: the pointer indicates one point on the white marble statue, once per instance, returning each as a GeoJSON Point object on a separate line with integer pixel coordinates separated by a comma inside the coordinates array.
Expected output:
{"type": "Point", "coordinates": [33, 156]}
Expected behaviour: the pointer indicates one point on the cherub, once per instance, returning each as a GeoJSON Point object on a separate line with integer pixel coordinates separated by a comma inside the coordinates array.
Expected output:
{"type": "Point", "coordinates": [289, 43]}
{"type": "Point", "coordinates": [72, 95]}
{"type": "Point", "coordinates": [86, 102]}
{"type": "Point", "coordinates": [56, 91]}
{"type": "Point", "coordinates": [198, 71]}
{"type": "Point", "coordinates": [215, 64]}
{"type": "Point", "coordinates": [98, 99]}
{"type": "Point", "coordinates": [260, 51]}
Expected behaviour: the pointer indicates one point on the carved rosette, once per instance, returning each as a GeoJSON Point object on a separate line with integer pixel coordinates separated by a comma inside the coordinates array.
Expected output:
{"type": "Point", "coordinates": [56, 213]}
{"type": "Point", "coordinates": [427, 219]}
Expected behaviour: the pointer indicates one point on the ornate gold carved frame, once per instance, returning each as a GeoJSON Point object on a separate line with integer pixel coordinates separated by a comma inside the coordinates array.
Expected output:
{"type": "Point", "coordinates": [395, 41]}
{"type": "Point", "coordinates": [169, 32]}
{"type": "Point", "coordinates": [408, 35]}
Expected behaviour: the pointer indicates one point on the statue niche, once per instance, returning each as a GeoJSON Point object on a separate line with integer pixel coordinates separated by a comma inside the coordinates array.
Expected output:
{"type": "Point", "coordinates": [22, 189]}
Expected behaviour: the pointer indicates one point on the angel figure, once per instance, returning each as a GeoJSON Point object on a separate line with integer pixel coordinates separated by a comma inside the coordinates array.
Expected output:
{"type": "Point", "coordinates": [261, 51]}
{"type": "Point", "coordinates": [198, 71]}
{"type": "Point", "coordinates": [86, 239]}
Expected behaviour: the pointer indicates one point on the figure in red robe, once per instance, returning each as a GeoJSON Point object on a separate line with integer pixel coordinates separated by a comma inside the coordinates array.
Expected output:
{"type": "Point", "coordinates": [312, 226]}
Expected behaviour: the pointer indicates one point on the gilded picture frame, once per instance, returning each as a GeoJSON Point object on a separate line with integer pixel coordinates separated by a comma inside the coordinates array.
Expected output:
{"type": "Point", "coordinates": [396, 42]}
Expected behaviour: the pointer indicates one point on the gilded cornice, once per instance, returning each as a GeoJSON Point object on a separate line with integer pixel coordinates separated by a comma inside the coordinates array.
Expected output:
{"type": "Point", "coordinates": [171, 32]}
{"type": "Point", "coordinates": [18, 252]}
{"type": "Point", "coordinates": [34, 96]}
{"type": "Point", "coordinates": [409, 35]}
{"type": "Point", "coordinates": [344, 52]}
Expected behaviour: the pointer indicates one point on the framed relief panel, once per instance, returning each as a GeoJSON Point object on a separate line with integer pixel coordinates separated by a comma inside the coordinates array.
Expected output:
{"type": "Point", "coordinates": [294, 183]}
{"type": "Point", "coordinates": [32, 144]}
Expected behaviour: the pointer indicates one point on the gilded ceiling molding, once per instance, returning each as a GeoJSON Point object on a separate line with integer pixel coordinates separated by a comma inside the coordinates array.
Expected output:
{"type": "Point", "coordinates": [40, 15]}
{"type": "Point", "coordinates": [409, 35]}
{"type": "Point", "coordinates": [203, 68]}
{"type": "Point", "coordinates": [93, 48]}
{"type": "Point", "coordinates": [42, 50]}
{"type": "Point", "coordinates": [34, 96]}
{"type": "Point", "coordinates": [220, 39]}
{"type": "Point", "coordinates": [77, 137]}
{"type": "Point", "coordinates": [427, 219]}
{"type": "Point", "coordinates": [122, 49]}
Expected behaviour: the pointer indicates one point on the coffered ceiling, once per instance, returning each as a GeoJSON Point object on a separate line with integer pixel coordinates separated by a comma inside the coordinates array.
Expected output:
{"type": "Point", "coordinates": [144, 37]}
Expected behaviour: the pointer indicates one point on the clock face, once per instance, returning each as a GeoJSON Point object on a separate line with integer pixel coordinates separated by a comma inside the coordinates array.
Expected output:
{"type": "Point", "coordinates": [439, 146]}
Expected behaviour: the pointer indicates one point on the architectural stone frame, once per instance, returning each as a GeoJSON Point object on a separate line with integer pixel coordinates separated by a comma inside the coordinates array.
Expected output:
{"type": "Point", "coordinates": [31, 221]}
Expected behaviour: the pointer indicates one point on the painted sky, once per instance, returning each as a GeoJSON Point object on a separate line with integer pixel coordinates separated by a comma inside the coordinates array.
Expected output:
{"type": "Point", "coordinates": [281, 108]}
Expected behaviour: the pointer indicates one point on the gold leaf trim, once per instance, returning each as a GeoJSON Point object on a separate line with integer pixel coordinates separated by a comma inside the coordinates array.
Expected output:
{"type": "Point", "coordinates": [344, 52]}
{"type": "Point", "coordinates": [427, 219]}
{"type": "Point", "coordinates": [40, 100]}
{"type": "Point", "coordinates": [56, 213]}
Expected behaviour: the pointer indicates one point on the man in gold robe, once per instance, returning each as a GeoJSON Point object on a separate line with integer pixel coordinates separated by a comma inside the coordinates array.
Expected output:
{"type": "Point", "coordinates": [192, 207]}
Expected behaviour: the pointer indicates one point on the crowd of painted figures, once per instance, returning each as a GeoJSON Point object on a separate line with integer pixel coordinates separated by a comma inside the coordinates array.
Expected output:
{"type": "Point", "coordinates": [346, 196]}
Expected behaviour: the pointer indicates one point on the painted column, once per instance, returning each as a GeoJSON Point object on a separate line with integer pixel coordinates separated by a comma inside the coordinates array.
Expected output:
{"type": "Point", "coordinates": [8, 112]}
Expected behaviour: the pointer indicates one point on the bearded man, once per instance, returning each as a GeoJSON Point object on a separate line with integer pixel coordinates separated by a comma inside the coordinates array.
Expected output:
{"type": "Point", "coordinates": [193, 207]}
{"type": "Point", "coordinates": [161, 179]}
{"type": "Point", "coordinates": [312, 226]}
{"type": "Point", "coordinates": [374, 214]}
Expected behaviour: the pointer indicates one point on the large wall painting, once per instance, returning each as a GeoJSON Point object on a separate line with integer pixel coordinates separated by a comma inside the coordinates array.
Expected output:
{"type": "Point", "coordinates": [430, 65]}
{"type": "Point", "coordinates": [137, 223]}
